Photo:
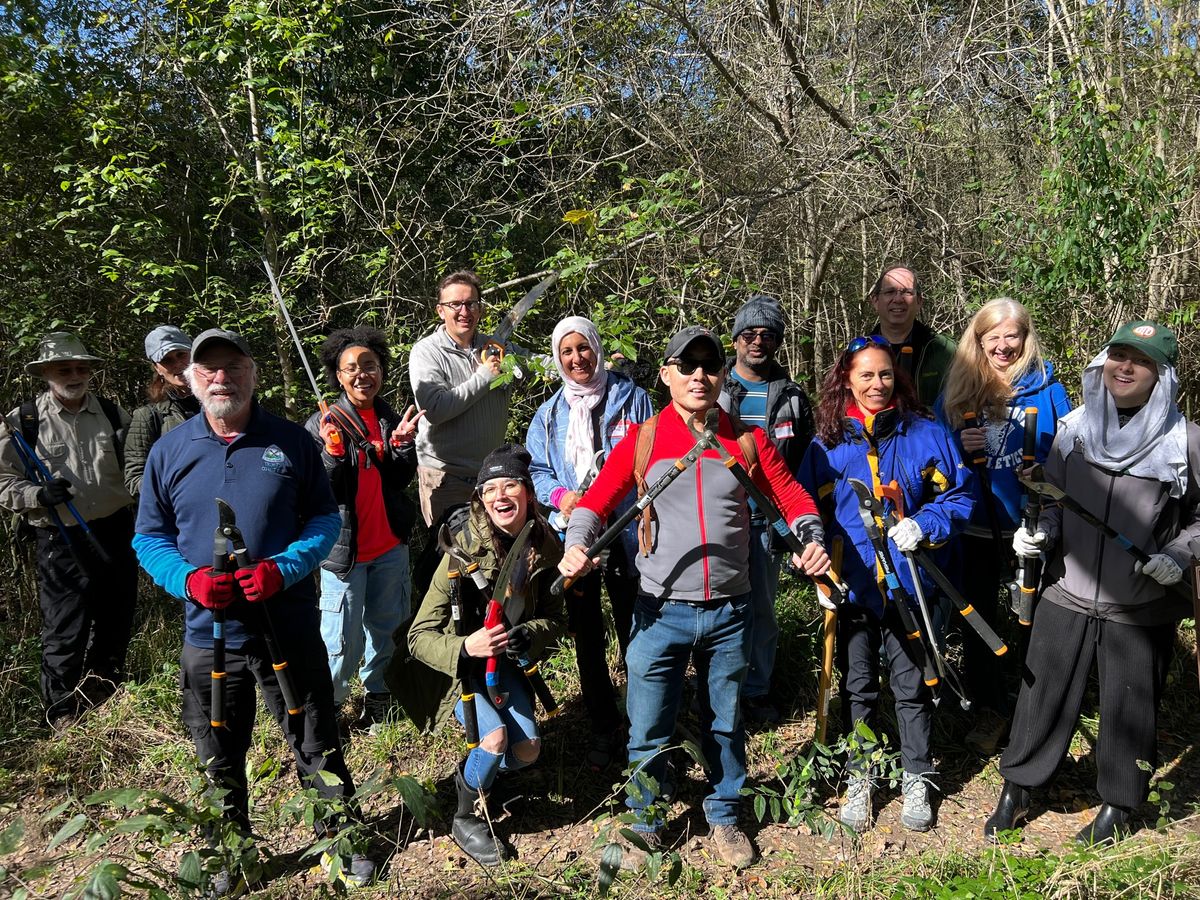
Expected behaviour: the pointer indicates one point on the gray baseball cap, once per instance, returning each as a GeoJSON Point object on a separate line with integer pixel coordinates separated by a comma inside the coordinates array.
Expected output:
{"type": "Point", "coordinates": [164, 339]}
{"type": "Point", "coordinates": [216, 336]}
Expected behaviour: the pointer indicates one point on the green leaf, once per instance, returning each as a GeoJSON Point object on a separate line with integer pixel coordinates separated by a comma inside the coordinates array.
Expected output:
{"type": "Point", "coordinates": [610, 863]}
{"type": "Point", "coordinates": [68, 831]}
{"type": "Point", "coordinates": [11, 837]}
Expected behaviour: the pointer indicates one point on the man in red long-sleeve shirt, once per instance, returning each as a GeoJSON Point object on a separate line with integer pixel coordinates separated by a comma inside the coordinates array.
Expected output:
{"type": "Point", "coordinates": [695, 585]}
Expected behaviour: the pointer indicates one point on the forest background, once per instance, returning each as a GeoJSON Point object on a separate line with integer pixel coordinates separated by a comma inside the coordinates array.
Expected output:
{"type": "Point", "coordinates": [667, 156]}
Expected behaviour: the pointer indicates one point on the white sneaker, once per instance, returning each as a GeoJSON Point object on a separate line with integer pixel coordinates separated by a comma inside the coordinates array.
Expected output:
{"type": "Point", "coordinates": [855, 811]}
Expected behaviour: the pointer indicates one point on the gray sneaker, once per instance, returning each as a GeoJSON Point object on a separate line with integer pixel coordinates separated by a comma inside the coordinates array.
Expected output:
{"type": "Point", "coordinates": [855, 812]}
{"type": "Point", "coordinates": [916, 814]}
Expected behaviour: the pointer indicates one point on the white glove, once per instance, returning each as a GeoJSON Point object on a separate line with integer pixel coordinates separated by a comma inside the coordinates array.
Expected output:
{"type": "Point", "coordinates": [826, 602]}
{"type": "Point", "coordinates": [1162, 569]}
{"type": "Point", "coordinates": [906, 535]}
{"type": "Point", "coordinates": [1026, 545]}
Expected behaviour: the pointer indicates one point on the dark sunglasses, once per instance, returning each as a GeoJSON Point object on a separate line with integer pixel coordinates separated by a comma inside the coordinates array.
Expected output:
{"type": "Point", "coordinates": [868, 340]}
{"type": "Point", "coordinates": [688, 366]}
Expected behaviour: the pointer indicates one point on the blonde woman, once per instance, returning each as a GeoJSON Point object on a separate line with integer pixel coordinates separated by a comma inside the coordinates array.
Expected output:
{"type": "Point", "coordinates": [997, 372]}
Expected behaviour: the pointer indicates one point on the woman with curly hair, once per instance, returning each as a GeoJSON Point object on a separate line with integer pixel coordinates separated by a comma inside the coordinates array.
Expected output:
{"type": "Point", "coordinates": [997, 373]}
{"type": "Point", "coordinates": [871, 427]}
{"type": "Point", "coordinates": [369, 455]}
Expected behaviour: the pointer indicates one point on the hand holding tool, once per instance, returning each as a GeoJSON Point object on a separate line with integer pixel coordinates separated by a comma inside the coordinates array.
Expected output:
{"type": "Point", "coordinates": [260, 580]}
{"type": "Point", "coordinates": [1031, 566]}
{"type": "Point", "coordinates": [211, 588]}
{"type": "Point", "coordinates": [54, 492]}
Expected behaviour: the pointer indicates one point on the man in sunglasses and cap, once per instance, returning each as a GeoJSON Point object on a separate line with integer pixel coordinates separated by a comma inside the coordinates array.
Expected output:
{"type": "Point", "coordinates": [87, 602]}
{"type": "Point", "coordinates": [695, 585]}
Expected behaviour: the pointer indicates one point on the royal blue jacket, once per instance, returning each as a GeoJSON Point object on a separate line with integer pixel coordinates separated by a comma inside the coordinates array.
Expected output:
{"type": "Point", "coordinates": [625, 404]}
{"type": "Point", "coordinates": [272, 476]}
{"type": "Point", "coordinates": [1006, 441]}
{"type": "Point", "coordinates": [920, 455]}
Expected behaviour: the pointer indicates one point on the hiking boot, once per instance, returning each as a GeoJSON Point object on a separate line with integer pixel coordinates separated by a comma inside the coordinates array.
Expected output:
{"type": "Point", "coordinates": [760, 711]}
{"type": "Point", "coordinates": [732, 845]}
{"type": "Point", "coordinates": [633, 857]}
{"type": "Point", "coordinates": [472, 833]}
{"type": "Point", "coordinates": [226, 884]}
{"type": "Point", "coordinates": [377, 709]}
{"type": "Point", "coordinates": [1110, 825]}
{"type": "Point", "coordinates": [1010, 809]}
{"type": "Point", "coordinates": [988, 733]}
{"type": "Point", "coordinates": [356, 871]}
{"type": "Point", "coordinates": [855, 811]}
{"type": "Point", "coordinates": [916, 814]}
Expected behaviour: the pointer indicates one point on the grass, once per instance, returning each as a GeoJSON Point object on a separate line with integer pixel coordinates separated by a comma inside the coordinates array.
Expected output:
{"type": "Point", "coordinates": [137, 740]}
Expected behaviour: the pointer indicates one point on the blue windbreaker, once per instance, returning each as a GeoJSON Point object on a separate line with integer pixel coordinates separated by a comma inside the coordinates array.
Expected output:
{"type": "Point", "coordinates": [920, 455]}
{"type": "Point", "coordinates": [625, 404]}
{"type": "Point", "coordinates": [1005, 441]}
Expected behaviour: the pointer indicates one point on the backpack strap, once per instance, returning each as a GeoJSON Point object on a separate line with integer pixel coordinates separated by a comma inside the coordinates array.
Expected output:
{"type": "Point", "coordinates": [28, 416]}
{"type": "Point", "coordinates": [113, 413]}
{"type": "Point", "coordinates": [642, 448]}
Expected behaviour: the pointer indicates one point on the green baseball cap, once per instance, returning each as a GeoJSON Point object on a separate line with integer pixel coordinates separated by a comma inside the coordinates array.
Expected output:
{"type": "Point", "coordinates": [1157, 341]}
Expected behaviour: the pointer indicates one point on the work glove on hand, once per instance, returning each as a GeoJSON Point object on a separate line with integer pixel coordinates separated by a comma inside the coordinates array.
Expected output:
{"type": "Point", "coordinates": [333, 440]}
{"type": "Point", "coordinates": [211, 589]}
{"type": "Point", "coordinates": [260, 581]}
{"type": "Point", "coordinates": [906, 535]}
{"type": "Point", "coordinates": [1026, 545]}
{"type": "Point", "coordinates": [520, 641]}
{"type": "Point", "coordinates": [1161, 568]}
{"type": "Point", "coordinates": [54, 492]}
{"type": "Point", "coordinates": [826, 602]}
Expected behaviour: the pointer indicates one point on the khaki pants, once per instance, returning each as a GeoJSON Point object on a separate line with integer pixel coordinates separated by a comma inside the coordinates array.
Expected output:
{"type": "Point", "coordinates": [439, 491]}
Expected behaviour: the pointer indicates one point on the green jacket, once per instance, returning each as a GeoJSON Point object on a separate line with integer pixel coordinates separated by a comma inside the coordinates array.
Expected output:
{"type": "Point", "coordinates": [150, 422]}
{"type": "Point", "coordinates": [932, 355]}
{"type": "Point", "coordinates": [426, 684]}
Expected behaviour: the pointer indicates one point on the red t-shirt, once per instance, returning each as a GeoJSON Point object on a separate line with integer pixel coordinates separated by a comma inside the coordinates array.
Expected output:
{"type": "Point", "coordinates": [375, 536]}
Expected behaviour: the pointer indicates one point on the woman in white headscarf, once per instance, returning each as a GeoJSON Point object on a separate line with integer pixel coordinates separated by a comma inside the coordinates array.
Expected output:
{"type": "Point", "coordinates": [568, 439]}
{"type": "Point", "coordinates": [1131, 459]}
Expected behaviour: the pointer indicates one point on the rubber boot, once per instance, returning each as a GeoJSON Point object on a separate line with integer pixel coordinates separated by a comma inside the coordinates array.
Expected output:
{"type": "Point", "coordinates": [1010, 809]}
{"type": "Point", "coordinates": [469, 831]}
{"type": "Point", "coordinates": [1110, 825]}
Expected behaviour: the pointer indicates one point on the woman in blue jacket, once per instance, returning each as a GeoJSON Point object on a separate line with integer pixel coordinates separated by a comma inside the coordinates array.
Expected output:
{"type": "Point", "coordinates": [567, 439]}
{"type": "Point", "coordinates": [871, 427]}
{"type": "Point", "coordinates": [998, 371]}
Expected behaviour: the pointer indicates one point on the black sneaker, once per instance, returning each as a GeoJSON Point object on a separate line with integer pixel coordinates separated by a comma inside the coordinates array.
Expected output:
{"type": "Point", "coordinates": [377, 709]}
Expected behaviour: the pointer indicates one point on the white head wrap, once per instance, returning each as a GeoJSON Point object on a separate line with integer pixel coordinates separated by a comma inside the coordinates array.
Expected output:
{"type": "Point", "coordinates": [581, 398]}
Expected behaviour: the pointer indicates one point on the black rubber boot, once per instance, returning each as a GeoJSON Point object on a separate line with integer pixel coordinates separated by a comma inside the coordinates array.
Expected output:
{"type": "Point", "coordinates": [1109, 826]}
{"type": "Point", "coordinates": [469, 831]}
{"type": "Point", "coordinates": [1010, 809]}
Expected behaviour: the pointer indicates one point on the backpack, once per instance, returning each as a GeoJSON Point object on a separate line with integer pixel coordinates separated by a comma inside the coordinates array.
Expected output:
{"type": "Point", "coordinates": [642, 448]}
{"type": "Point", "coordinates": [28, 414]}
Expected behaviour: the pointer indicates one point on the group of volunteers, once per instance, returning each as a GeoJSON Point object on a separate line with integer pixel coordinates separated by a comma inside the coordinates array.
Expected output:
{"type": "Point", "coordinates": [929, 476]}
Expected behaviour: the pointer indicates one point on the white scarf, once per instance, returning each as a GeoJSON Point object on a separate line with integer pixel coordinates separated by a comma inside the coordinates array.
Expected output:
{"type": "Point", "coordinates": [1153, 444]}
{"type": "Point", "coordinates": [581, 398]}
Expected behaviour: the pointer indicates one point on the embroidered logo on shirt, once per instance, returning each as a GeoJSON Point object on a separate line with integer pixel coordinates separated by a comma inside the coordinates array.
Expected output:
{"type": "Point", "coordinates": [784, 430]}
{"type": "Point", "coordinates": [274, 460]}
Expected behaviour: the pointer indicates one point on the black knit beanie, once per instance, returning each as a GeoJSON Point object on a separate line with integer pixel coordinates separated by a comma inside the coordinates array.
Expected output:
{"type": "Point", "coordinates": [506, 461]}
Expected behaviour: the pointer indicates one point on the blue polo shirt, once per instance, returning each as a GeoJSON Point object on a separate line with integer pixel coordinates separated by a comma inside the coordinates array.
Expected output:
{"type": "Point", "coordinates": [273, 478]}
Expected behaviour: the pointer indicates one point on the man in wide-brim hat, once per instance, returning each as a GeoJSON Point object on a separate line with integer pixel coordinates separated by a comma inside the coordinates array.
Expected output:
{"type": "Point", "coordinates": [87, 602]}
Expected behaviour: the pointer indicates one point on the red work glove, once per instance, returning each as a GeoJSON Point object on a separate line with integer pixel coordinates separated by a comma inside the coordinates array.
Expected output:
{"type": "Point", "coordinates": [212, 590]}
{"type": "Point", "coordinates": [260, 582]}
{"type": "Point", "coordinates": [333, 439]}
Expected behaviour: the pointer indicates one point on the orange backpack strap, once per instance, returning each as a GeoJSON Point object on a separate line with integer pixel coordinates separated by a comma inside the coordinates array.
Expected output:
{"type": "Point", "coordinates": [642, 448]}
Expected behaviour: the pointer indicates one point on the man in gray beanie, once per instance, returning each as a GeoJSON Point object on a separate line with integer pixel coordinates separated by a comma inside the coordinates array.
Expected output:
{"type": "Point", "coordinates": [759, 392]}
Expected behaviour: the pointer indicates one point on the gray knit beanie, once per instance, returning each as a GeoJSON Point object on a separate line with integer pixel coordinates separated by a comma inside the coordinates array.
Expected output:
{"type": "Point", "coordinates": [760, 311]}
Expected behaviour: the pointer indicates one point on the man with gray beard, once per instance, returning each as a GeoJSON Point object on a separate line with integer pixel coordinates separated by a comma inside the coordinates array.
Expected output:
{"type": "Point", "coordinates": [87, 601]}
{"type": "Point", "coordinates": [269, 471]}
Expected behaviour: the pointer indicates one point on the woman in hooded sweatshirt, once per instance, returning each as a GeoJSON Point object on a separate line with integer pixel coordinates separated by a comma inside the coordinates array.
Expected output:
{"type": "Point", "coordinates": [998, 371]}
{"type": "Point", "coordinates": [1129, 457]}
{"type": "Point", "coordinates": [587, 416]}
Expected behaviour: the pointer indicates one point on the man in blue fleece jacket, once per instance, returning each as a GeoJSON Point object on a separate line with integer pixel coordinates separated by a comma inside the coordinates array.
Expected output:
{"type": "Point", "coordinates": [270, 472]}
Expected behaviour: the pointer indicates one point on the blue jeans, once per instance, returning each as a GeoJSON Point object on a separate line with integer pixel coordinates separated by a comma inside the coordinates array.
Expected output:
{"type": "Point", "coordinates": [516, 717]}
{"type": "Point", "coordinates": [761, 621]}
{"type": "Point", "coordinates": [665, 634]}
{"type": "Point", "coordinates": [359, 614]}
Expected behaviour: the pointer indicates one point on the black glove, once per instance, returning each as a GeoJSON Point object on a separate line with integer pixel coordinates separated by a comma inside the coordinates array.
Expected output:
{"type": "Point", "coordinates": [519, 641]}
{"type": "Point", "coordinates": [54, 492]}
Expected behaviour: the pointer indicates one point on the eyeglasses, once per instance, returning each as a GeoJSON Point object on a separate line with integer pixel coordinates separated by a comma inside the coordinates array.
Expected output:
{"type": "Point", "coordinates": [233, 370]}
{"type": "Point", "coordinates": [368, 369]}
{"type": "Point", "coordinates": [868, 340]}
{"type": "Point", "coordinates": [460, 305]}
{"type": "Point", "coordinates": [688, 366]}
{"type": "Point", "coordinates": [764, 337]}
{"type": "Point", "coordinates": [897, 292]}
{"type": "Point", "coordinates": [493, 489]}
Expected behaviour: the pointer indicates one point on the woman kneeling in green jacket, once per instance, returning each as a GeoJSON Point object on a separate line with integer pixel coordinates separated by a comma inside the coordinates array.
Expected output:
{"type": "Point", "coordinates": [508, 734]}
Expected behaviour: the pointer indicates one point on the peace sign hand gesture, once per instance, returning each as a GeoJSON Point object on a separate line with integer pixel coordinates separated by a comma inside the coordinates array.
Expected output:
{"type": "Point", "coordinates": [406, 430]}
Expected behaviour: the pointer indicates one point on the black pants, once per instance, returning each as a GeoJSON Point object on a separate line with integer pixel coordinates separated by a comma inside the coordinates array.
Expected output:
{"type": "Point", "coordinates": [312, 735]}
{"type": "Point", "coordinates": [1132, 663]}
{"type": "Point", "coordinates": [585, 620]}
{"type": "Point", "coordinates": [860, 637]}
{"type": "Point", "coordinates": [989, 678]}
{"type": "Point", "coordinates": [87, 609]}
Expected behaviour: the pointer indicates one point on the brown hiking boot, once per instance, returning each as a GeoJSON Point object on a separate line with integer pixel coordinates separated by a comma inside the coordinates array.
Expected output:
{"type": "Point", "coordinates": [633, 857]}
{"type": "Point", "coordinates": [732, 845]}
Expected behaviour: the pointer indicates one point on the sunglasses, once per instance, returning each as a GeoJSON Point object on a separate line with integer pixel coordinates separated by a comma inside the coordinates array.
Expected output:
{"type": "Point", "coordinates": [868, 340]}
{"type": "Point", "coordinates": [688, 366]}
